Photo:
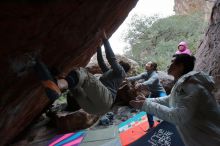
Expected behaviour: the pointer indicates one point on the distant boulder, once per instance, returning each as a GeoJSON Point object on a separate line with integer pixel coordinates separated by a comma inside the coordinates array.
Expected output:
{"type": "Point", "coordinates": [93, 67]}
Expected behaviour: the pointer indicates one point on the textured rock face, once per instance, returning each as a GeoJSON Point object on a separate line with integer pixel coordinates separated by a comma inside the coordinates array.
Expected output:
{"type": "Point", "coordinates": [72, 121]}
{"type": "Point", "coordinates": [184, 7]}
{"type": "Point", "coordinates": [208, 58]}
{"type": "Point", "coordinates": [63, 33]}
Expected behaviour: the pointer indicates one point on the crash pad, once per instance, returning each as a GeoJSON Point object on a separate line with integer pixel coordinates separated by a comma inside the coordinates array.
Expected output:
{"type": "Point", "coordinates": [133, 128]}
{"type": "Point", "coordinates": [165, 134]}
{"type": "Point", "coordinates": [68, 139]}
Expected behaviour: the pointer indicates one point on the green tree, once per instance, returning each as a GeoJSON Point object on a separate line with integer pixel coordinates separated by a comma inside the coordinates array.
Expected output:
{"type": "Point", "coordinates": [156, 39]}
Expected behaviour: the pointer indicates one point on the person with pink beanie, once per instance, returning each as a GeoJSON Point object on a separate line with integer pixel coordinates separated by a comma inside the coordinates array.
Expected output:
{"type": "Point", "coordinates": [183, 49]}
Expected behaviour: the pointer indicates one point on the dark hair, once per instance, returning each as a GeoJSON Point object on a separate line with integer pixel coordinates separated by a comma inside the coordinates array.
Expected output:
{"type": "Point", "coordinates": [154, 65]}
{"type": "Point", "coordinates": [125, 65]}
{"type": "Point", "coordinates": [188, 62]}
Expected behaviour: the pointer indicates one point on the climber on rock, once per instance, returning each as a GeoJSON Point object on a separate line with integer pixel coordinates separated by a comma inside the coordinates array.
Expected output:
{"type": "Point", "coordinates": [95, 96]}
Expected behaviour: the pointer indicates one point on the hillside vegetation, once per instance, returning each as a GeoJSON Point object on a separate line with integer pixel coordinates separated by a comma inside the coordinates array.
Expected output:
{"type": "Point", "coordinates": [156, 39]}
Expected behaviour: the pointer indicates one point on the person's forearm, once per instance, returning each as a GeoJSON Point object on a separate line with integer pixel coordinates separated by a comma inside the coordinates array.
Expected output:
{"type": "Point", "coordinates": [108, 50]}
{"type": "Point", "coordinates": [173, 115]}
{"type": "Point", "coordinates": [109, 53]}
{"type": "Point", "coordinates": [134, 78]}
{"type": "Point", "coordinates": [161, 100]}
{"type": "Point", "coordinates": [184, 109]}
{"type": "Point", "coordinates": [111, 57]}
{"type": "Point", "coordinates": [150, 81]}
{"type": "Point", "coordinates": [100, 60]}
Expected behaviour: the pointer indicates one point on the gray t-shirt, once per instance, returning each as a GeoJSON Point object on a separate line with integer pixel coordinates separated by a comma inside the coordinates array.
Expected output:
{"type": "Point", "coordinates": [151, 81]}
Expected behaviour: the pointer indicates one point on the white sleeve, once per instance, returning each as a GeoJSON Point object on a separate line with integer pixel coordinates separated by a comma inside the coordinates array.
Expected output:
{"type": "Point", "coordinates": [184, 109]}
